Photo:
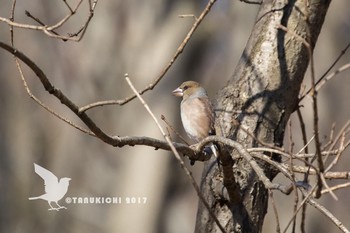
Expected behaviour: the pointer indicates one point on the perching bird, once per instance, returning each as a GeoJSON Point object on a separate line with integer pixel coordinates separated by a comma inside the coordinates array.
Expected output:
{"type": "Point", "coordinates": [55, 190]}
{"type": "Point", "coordinates": [197, 114]}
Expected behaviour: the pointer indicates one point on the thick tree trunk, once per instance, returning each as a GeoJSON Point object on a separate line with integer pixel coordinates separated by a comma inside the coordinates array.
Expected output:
{"type": "Point", "coordinates": [261, 95]}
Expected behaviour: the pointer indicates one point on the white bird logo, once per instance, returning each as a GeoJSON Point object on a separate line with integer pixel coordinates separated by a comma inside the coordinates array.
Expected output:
{"type": "Point", "coordinates": [54, 189]}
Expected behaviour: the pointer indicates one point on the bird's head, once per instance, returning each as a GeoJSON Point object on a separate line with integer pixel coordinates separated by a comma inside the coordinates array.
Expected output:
{"type": "Point", "coordinates": [65, 180]}
{"type": "Point", "coordinates": [189, 88]}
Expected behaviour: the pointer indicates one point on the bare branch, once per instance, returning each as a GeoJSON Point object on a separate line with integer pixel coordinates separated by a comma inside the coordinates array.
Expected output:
{"type": "Point", "coordinates": [328, 214]}
{"type": "Point", "coordinates": [311, 171]}
{"type": "Point", "coordinates": [45, 106]}
{"type": "Point", "coordinates": [252, 2]}
{"type": "Point", "coordinates": [39, 22]}
{"type": "Point", "coordinates": [12, 18]}
{"type": "Point", "coordinates": [339, 186]}
{"type": "Point", "coordinates": [164, 71]}
{"type": "Point", "coordinates": [68, 6]}
{"type": "Point", "coordinates": [291, 163]}
{"type": "Point", "coordinates": [332, 75]}
{"type": "Point", "coordinates": [99, 133]}
{"type": "Point", "coordinates": [278, 228]}
{"type": "Point", "coordinates": [342, 53]}
{"type": "Point", "coordinates": [48, 30]}
{"type": "Point", "coordinates": [299, 207]}
{"type": "Point", "coordinates": [340, 152]}
{"type": "Point", "coordinates": [172, 128]}
{"type": "Point", "coordinates": [245, 154]}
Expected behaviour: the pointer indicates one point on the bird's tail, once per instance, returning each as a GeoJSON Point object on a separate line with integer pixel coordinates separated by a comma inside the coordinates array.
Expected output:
{"type": "Point", "coordinates": [211, 149]}
{"type": "Point", "coordinates": [214, 149]}
{"type": "Point", "coordinates": [34, 198]}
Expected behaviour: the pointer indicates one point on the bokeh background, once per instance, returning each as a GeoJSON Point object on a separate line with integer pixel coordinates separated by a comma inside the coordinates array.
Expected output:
{"type": "Point", "coordinates": [139, 38]}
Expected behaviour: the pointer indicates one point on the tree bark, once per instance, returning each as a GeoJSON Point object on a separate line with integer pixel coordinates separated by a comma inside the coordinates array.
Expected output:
{"type": "Point", "coordinates": [260, 96]}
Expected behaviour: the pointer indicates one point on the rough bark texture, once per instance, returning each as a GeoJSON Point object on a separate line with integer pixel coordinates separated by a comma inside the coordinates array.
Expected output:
{"type": "Point", "coordinates": [261, 95]}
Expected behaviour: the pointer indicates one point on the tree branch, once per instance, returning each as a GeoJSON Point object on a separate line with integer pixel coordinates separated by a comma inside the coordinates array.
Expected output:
{"type": "Point", "coordinates": [117, 141]}
{"type": "Point", "coordinates": [151, 85]}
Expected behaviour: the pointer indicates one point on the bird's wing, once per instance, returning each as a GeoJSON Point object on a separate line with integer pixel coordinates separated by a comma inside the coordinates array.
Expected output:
{"type": "Point", "coordinates": [50, 180]}
{"type": "Point", "coordinates": [209, 112]}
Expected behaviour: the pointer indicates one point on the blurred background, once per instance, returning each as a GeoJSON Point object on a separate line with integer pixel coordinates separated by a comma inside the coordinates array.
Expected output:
{"type": "Point", "coordinates": [138, 38]}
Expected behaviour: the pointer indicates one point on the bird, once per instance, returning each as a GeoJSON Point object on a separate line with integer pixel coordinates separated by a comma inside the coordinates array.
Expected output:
{"type": "Point", "coordinates": [197, 113]}
{"type": "Point", "coordinates": [54, 189]}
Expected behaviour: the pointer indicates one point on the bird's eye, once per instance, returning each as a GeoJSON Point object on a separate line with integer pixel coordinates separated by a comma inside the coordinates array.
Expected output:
{"type": "Point", "coordinates": [185, 88]}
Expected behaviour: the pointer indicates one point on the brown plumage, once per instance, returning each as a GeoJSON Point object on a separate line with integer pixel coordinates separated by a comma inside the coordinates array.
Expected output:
{"type": "Point", "coordinates": [196, 111]}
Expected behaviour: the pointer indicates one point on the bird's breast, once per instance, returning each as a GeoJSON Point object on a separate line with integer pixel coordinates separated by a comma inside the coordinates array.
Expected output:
{"type": "Point", "coordinates": [196, 118]}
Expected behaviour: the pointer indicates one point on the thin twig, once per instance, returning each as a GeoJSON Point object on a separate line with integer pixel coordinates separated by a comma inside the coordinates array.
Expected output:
{"type": "Point", "coordinates": [324, 153]}
{"type": "Point", "coordinates": [68, 6]}
{"type": "Point", "coordinates": [39, 22]}
{"type": "Point", "coordinates": [312, 171]}
{"type": "Point", "coordinates": [274, 207]}
{"type": "Point", "coordinates": [296, 197]}
{"type": "Point", "coordinates": [303, 131]}
{"type": "Point", "coordinates": [327, 187]}
{"type": "Point", "coordinates": [252, 2]}
{"type": "Point", "coordinates": [303, 216]}
{"type": "Point", "coordinates": [339, 135]}
{"type": "Point", "coordinates": [334, 188]}
{"type": "Point", "coordinates": [306, 197]}
{"type": "Point", "coordinates": [332, 75]}
{"type": "Point", "coordinates": [48, 29]}
{"type": "Point", "coordinates": [337, 157]}
{"type": "Point", "coordinates": [328, 214]}
{"type": "Point", "coordinates": [12, 18]}
{"type": "Point", "coordinates": [64, 19]}
{"type": "Point", "coordinates": [306, 144]}
{"type": "Point", "coordinates": [83, 29]}
{"type": "Point", "coordinates": [331, 137]}
{"type": "Point", "coordinates": [45, 106]}
{"type": "Point", "coordinates": [188, 15]}
{"type": "Point", "coordinates": [329, 69]}
{"type": "Point", "coordinates": [290, 133]}
{"type": "Point", "coordinates": [288, 156]}
{"type": "Point", "coordinates": [172, 129]}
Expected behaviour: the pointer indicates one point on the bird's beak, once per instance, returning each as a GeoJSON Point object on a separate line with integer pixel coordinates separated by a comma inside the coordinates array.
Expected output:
{"type": "Point", "coordinates": [178, 92]}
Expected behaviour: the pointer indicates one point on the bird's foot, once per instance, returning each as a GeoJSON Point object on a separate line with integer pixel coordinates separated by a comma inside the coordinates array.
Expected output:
{"type": "Point", "coordinates": [206, 150]}
{"type": "Point", "coordinates": [54, 209]}
{"type": "Point", "coordinates": [62, 207]}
